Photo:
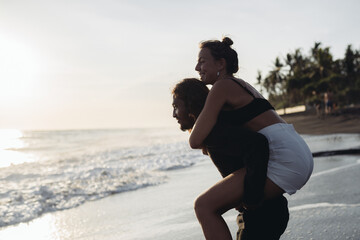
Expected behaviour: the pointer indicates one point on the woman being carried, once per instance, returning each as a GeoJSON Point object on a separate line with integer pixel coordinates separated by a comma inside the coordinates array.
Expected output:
{"type": "Point", "coordinates": [233, 102]}
{"type": "Point", "coordinates": [232, 148]}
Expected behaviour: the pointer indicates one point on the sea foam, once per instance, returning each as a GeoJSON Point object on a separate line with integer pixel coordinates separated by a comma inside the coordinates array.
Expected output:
{"type": "Point", "coordinates": [91, 166]}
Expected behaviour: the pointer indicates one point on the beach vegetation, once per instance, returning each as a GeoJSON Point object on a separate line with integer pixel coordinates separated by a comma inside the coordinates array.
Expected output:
{"type": "Point", "coordinates": [300, 78]}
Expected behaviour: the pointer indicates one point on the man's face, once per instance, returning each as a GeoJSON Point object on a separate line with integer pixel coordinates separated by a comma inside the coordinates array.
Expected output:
{"type": "Point", "coordinates": [181, 113]}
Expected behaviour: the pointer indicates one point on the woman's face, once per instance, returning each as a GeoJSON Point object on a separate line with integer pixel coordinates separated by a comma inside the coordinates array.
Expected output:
{"type": "Point", "coordinates": [207, 66]}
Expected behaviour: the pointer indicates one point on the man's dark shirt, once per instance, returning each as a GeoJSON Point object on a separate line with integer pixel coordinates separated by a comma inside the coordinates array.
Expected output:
{"type": "Point", "coordinates": [232, 148]}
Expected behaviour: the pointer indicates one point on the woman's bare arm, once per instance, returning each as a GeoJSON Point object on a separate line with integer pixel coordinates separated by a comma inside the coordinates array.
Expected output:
{"type": "Point", "coordinates": [207, 119]}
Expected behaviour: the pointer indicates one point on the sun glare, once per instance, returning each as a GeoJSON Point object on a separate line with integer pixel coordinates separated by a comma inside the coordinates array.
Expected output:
{"type": "Point", "coordinates": [10, 142]}
{"type": "Point", "coordinates": [10, 133]}
{"type": "Point", "coordinates": [10, 138]}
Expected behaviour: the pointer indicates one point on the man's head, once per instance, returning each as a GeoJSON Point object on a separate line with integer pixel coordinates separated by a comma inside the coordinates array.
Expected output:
{"type": "Point", "coordinates": [189, 97]}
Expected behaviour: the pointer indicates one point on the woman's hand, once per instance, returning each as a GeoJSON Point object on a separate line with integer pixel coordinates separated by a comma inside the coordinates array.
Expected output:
{"type": "Point", "coordinates": [205, 150]}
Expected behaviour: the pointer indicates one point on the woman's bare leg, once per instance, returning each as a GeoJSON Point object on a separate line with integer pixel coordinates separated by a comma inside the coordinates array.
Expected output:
{"type": "Point", "coordinates": [272, 190]}
{"type": "Point", "coordinates": [221, 197]}
{"type": "Point", "coordinates": [225, 195]}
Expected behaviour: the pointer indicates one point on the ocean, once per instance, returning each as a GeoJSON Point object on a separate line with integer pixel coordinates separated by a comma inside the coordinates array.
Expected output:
{"type": "Point", "coordinates": [49, 171]}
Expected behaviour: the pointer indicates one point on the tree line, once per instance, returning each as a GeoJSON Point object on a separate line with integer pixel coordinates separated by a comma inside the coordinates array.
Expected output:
{"type": "Point", "coordinates": [304, 79]}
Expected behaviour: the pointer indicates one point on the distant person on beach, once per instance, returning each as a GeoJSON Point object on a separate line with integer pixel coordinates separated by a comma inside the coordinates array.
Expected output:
{"type": "Point", "coordinates": [328, 102]}
{"type": "Point", "coordinates": [232, 148]}
{"type": "Point", "coordinates": [234, 102]}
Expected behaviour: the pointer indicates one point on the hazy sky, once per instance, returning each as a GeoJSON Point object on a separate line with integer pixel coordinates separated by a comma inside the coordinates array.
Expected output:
{"type": "Point", "coordinates": [103, 64]}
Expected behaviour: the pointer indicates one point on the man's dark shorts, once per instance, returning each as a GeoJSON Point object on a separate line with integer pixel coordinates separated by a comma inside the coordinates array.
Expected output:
{"type": "Point", "coordinates": [268, 222]}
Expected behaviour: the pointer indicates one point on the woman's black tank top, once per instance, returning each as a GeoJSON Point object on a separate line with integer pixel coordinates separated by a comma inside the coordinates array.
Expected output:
{"type": "Point", "coordinates": [244, 114]}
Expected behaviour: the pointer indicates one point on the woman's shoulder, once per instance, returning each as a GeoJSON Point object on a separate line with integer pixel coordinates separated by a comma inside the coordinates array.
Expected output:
{"type": "Point", "coordinates": [231, 85]}
{"type": "Point", "coordinates": [226, 83]}
{"type": "Point", "coordinates": [249, 88]}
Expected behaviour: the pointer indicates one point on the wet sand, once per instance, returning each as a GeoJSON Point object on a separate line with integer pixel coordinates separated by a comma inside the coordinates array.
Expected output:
{"type": "Point", "coordinates": [341, 121]}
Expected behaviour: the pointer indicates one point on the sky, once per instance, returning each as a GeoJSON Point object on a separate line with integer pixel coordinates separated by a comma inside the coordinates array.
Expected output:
{"type": "Point", "coordinates": [86, 64]}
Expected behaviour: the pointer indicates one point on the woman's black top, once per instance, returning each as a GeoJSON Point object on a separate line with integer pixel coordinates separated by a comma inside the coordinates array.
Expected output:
{"type": "Point", "coordinates": [244, 114]}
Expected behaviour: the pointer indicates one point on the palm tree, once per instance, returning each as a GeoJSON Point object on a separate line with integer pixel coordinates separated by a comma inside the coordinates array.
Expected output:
{"type": "Point", "coordinates": [259, 81]}
{"type": "Point", "coordinates": [274, 80]}
{"type": "Point", "coordinates": [275, 84]}
{"type": "Point", "coordinates": [302, 78]}
{"type": "Point", "coordinates": [322, 61]}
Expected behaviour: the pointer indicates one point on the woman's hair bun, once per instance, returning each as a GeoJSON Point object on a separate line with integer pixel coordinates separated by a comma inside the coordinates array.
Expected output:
{"type": "Point", "coordinates": [227, 41]}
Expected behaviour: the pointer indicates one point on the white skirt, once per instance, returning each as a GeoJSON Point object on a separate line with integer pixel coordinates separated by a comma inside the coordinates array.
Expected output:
{"type": "Point", "coordinates": [290, 161]}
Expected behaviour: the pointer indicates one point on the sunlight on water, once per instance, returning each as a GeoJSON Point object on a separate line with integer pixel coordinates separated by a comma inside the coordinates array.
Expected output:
{"type": "Point", "coordinates": [10, 141]}
{"type": "Point", "coordinates": [43, 228]}
{"type": "Point", "coordinates": [10, 138]}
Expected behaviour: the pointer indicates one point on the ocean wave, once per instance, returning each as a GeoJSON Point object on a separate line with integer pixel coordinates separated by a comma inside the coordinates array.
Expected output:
{"type": "Point", "coordinates": [176, 167]}
{"type": "Point", "coordinates": [323, 205]}
{"type": "Point", "coordinates": [34, 199]}
{"type": "Point", "coordinates": [331, 142]}
{"type": "Point", "coordinates": [66, 181]}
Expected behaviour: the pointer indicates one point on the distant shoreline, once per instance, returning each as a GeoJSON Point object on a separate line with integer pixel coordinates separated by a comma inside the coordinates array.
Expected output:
{"type": "Point", "coordinates": [341, 121]}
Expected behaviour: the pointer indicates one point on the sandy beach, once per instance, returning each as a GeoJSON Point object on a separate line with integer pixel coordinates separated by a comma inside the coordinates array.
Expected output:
{"type": "Point", "coordinates": [341, 121]}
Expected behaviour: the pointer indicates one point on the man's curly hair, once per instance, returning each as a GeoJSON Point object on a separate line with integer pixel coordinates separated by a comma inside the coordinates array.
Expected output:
{"type": "Point", "coordinates": [193, 92]}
